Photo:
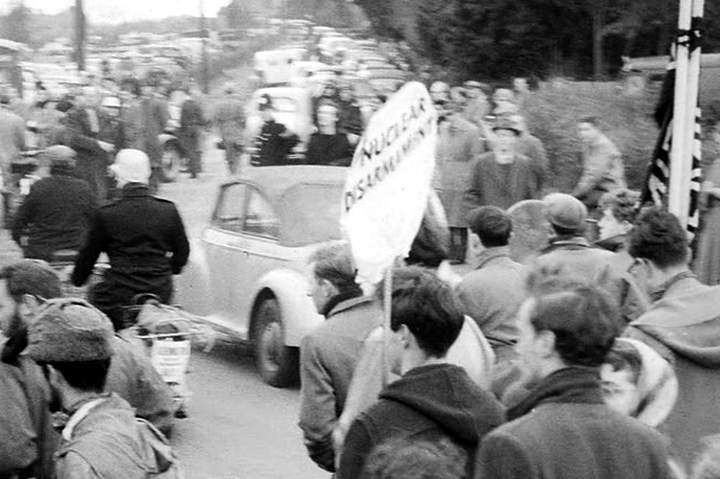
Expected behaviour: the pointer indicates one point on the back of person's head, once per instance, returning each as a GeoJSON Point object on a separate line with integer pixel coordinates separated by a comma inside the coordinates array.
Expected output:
{"type": "Point", "coordinates": [334, 263]}
{"type": "Point", "coordinates": [492, 225]}
{"type": "Point", "coordinates": [428, 307]}
{"type": "Point", "coordinates": [623, 204]}
{"type": "Point", "coordinates": [404, 459]}
{"type": "Point", "coordinates": [658, 237]}
{"type": "Point", "coordinates": [707, 464]}
{"type": "Point", "coordinates": [567, 215]}
{"type": "Point", "coordinates": [583, 318]}
{"type": "Point", "coordinates": [33, 277]}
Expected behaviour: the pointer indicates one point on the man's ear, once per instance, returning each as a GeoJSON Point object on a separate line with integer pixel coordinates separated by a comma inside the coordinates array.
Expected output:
{"type": "Point", "coordinates": [28, 305]}
{"type": "Point", "coordinates": [545, 341]}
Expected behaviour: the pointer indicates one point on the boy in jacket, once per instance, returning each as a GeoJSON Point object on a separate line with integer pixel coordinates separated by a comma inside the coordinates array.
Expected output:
{"type": "Point", "coordinates": [433, 400]}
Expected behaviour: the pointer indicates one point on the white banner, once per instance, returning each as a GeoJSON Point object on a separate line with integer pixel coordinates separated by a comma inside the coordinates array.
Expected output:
{"type": "Point", "coordinates": [389, 181]}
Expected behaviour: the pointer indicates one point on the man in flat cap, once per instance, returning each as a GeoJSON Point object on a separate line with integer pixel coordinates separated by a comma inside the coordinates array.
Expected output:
{"type": "Point", "coordinates": [502, 177]}
{"type": "Point", "coordinates": [56, 213]}
{"type": "Point", "coordinates": [73, 341]}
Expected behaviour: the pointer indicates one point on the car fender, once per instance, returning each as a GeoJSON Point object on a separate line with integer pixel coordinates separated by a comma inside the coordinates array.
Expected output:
{"type": "Point", "coordinates": [290, 289]}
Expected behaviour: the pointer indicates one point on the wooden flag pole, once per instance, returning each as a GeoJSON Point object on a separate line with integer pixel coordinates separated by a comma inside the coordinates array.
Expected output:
{"type": "Point", "coordinates": [680, 153]}
{"type": "Point", "coordinates": [387, 331]}
{"type": "Point", "coordinates": [691, 102]}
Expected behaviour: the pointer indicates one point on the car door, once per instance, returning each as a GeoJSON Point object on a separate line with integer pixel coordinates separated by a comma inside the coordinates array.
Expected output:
{"type": "Point", "coordinates": [259, 240]}
{"type": "Point", "coordinates": [225, 251]}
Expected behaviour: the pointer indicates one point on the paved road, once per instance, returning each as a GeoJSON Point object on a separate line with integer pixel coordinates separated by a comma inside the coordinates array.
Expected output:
{"type": "Point", "coordinates": [238, 427]}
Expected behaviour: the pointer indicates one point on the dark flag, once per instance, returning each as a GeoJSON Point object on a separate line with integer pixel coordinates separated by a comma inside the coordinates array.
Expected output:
{"type": "Point", "coordinates": [655, 189]}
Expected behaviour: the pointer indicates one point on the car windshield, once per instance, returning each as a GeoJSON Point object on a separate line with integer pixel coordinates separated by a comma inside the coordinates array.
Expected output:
{"type": "Point", "coordinates": [284, 104]}
{"type": "Point", "coordinates": [311, 214]}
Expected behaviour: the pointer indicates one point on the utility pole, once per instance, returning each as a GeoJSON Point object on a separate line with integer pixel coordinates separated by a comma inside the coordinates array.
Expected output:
{"type": "Point", "coordinates": [79, 35]}
{"type": "Point", "coordinates": [203, 52]}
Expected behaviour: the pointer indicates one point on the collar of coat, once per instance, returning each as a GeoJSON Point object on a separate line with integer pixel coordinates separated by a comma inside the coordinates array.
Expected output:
{"type": "Point", "coordinates": [571, 385]}
{"type": "Point", "coordinates": [573, 242]}
{"type": "Point", "coordinates": [341, 303]}
{"type": "Point", "coordinates": [491, 254]}
{"type": "Point", "coordinates": [135, 190]}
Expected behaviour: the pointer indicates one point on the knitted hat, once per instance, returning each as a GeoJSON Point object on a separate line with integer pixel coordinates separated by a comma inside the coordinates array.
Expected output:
{"type": "Point", "coordinates": [70, 330]}
{"type": "Point", "coordinates": [131, 166]}
{"type": "Point", "coordinates": [565, 211]}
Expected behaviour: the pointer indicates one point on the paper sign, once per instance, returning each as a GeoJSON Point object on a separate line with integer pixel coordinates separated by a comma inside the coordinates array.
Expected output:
{"type": "Point", "coordinates": [389, 181]}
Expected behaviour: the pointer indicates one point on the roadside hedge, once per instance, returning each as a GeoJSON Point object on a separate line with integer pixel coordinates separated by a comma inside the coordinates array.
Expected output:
{"type": "Point", "coordinates": [553, 111]}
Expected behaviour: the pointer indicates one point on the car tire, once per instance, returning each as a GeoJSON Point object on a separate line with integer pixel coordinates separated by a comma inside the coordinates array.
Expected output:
{"type": "Point", "coordinates": [276, 362]}
{"type": "Point", "coordinates": [171, 163]}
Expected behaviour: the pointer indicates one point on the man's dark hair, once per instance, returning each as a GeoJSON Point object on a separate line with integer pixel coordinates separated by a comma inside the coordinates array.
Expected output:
{"type": "Point", "coordinates": [593, 120]}
{"type": "Point", "coordinates": [583, 318]}
{"type": "Point", "coordinates": [658, 237]}
{"type": "Point", "coordinates": [428, 307]}
{"type": "Point", "coordinates": [32, 277]}
{"type": "Point", "coordinates": [88, 376]}
{"type": "Point", "coordinates": [492, 225]}
{"type": "Point", "coordinates": [334, 262]}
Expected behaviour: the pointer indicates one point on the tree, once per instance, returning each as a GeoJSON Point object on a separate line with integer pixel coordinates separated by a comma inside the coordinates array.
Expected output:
{"type": "Point", "coordinates": [16, 26]}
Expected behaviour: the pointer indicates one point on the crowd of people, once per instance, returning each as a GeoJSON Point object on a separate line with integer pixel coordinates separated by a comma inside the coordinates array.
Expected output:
{"type": "Point", "coordinates": [595, 354]}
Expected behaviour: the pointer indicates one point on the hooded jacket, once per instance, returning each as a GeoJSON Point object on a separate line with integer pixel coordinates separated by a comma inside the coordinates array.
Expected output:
{"type": "Point", "coordinates": [428, 402]}
{"type": "Point", "coordinates": [684, 327]}
{"type": "Point", "coordinates": [103, 440]}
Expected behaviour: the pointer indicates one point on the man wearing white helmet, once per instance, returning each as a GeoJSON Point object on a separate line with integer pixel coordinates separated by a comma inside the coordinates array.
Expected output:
{"type": "Point", "coordinates": [143, 236]}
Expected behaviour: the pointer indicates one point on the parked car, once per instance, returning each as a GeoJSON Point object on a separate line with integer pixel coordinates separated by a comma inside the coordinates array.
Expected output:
{"type": "Point", "coordinates": [247, 277]}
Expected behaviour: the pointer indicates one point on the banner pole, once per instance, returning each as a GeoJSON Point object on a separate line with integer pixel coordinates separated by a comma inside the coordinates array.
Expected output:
{"type": "Point", "coordinates": [680, 156]}
{"type": "Point", "coordinates": [692, 102]}
{"type": "Point", "coordinates": [387, 331]}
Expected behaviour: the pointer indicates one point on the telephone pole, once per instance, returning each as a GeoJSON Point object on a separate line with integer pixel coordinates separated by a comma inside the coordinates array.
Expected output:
{"type": "Point", "coordinates": [203, 51]}
{"type": "Point", "coordinates": [79, 52]}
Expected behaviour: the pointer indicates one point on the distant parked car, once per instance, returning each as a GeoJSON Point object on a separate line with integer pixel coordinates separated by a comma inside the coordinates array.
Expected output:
{"type": "Point", "coordinates": [248, 276]}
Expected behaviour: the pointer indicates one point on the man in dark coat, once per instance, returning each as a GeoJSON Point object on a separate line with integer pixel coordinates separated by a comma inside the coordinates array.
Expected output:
{"type": "Point", "coordinates": [56, 213]}
{"type": "Point", "coordinates": [275, 141]}
{"type": "Point", "coordinates": [563, 429]}
{"type": "Point", "coordinates": [328, 146]}
{"type": "Point", "coordinates": [144, 239]}
{"type": "Point", "coordinates": [682, 324]}
{"type": "Point", "coordinates": [433, 400]}
{"type": "Point", "coordinates": [190, 134]}
{"type": "Point", "coordinates": [503, 177]}
{"type": "Point", "coordinates": [77, 131]}
{"type": "Point", "coordinates": [144, 118]}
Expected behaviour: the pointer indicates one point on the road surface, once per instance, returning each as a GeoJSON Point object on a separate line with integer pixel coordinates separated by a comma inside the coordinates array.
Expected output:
{"type": "Point", "coordinates": [238, 427]}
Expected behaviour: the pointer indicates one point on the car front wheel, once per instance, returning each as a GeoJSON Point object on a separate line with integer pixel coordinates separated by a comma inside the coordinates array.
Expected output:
{"type": "Point", "coordinates": [276, 362]}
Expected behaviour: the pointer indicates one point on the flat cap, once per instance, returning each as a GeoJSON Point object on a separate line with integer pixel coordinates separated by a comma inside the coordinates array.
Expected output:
{"type": "Point", "coordinates": [70, 330]}
{"type": "Point", "coordinates": [565, 211]}
{"type": "Point", "coordinates": [59, 154]}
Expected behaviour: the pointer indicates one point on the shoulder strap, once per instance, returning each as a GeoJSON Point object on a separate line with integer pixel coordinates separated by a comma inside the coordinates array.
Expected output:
{"type": "Point", "coordinates": [79, 415]}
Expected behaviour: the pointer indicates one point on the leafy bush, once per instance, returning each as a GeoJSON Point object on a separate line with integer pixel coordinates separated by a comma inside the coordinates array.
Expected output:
{"type": "Point", "coordinates": [552, 114]}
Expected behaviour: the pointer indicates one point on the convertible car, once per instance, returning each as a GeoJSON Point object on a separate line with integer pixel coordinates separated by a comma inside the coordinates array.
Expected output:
{"type": "Point", "coordinates": [249, 276]}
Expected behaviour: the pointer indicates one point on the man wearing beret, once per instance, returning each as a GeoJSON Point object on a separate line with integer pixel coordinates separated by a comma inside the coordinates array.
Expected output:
{"type": "Point", "coordinates": [73, 342]}
{"type": "Point", "coordinates": [56, 213]}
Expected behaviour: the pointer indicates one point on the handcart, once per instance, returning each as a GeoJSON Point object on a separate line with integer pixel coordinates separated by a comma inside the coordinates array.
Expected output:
{"type": "Point", "coordinates": [166, 334]}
